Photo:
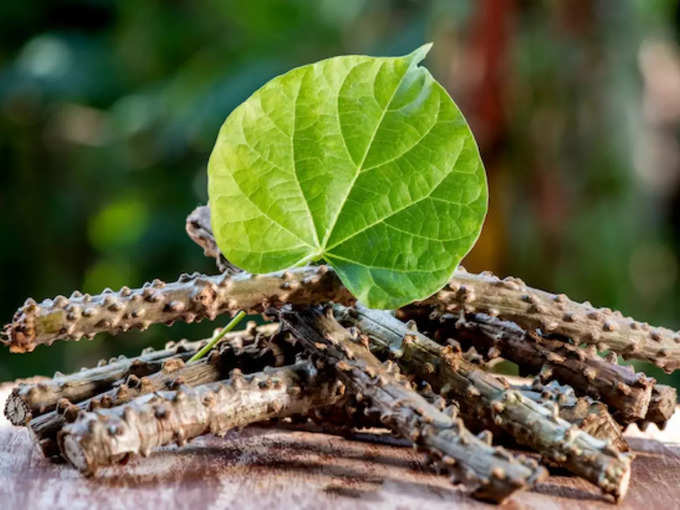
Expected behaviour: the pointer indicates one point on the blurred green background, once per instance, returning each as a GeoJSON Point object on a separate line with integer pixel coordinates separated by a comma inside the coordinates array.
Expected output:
{"type": "Point", "coordinates": [109, 110]}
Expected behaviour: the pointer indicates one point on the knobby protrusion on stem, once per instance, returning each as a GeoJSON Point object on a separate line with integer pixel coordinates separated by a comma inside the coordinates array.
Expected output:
{"type": "Point", "coordinates": [626, 393]}
{"type": "Point", "coordinates": [251, 351]}
{"type": "Point", "coordinates": [493, 473]}
{"type": "Point", "coordinates": [484, 397]}
{"type": "Point", "coordinates": [191, 298]}
{"type": "Point", "coordinates": [107, 436]}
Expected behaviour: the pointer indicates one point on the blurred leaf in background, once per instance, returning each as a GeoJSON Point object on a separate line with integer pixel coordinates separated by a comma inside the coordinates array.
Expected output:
{"type": "Point", "coordinates": [109, 110]}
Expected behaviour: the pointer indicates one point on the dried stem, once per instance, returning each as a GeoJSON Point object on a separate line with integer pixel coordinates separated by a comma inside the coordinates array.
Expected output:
{"type": "Point", "coordinates": [486, 398]}
{"type": "Point", "coordinates": [513, 300]}
{"type": "Point", "coordinates": [191, 298]}
{"type": "Point", "coordinates": [249, 351]}
{"type": "Point", "coordinates": [31, 400]}
{"type": "Point", "coordinates": [531, 309]}
{"type": "Point", "coordinates": [106, 436]}
{"type": "Point", "coordinates": [492, 472]}
{"type": "Point", "coordinates": [626, 393]}
{"type": "Point", "coordinates": [199, 229]}
{"type": "Point", "coordinates": [28, 401]}
{"type": "Point", "coordinates": [661, 406]}
{"type": "Point", "coordinates": [589, 415]}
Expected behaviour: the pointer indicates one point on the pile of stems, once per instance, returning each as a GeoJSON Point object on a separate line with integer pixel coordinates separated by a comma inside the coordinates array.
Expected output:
{"type": "Point", "coordinates": [251, 350]}
{"type": "Point", "coordinates": [105, 436]}
{"type": "Point", "coordinates": [492, 473]}
{"type": "Point", "coordinates": [488, 400]}
{"type": "Point", "coordinates": [633, 397]}
{"type": "Point", "coordinates": [346, 366]}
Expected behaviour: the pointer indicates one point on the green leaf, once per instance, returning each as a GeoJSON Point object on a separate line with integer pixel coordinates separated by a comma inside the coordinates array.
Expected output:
{"type": "Point", "coordinates": [364, 162]}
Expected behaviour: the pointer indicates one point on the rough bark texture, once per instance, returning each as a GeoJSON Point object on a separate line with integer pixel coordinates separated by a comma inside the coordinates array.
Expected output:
{"type": "Point", "coordinates": [627, 393]}
{"type": "Point", "coordinates": [511, 299]}
{"type": "Point", "coordinates": [30, 400]}
{"type": "Point", "coordinates": [191, 298]}
{"type": "Point", "coordinates": [486, 398]}
{"type": "Point", "coordinates": [249, 351]}
{"type": "Point", "coordinates": [493, 473]}
{"type": "Point", "coordinates": [661, 407]}
{"type": "Point", "coordinates": [589, 415]}
{"type": "Point", "coordinates": [106, 436]}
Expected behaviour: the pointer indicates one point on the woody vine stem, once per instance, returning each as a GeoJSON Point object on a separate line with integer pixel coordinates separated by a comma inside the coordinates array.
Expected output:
{"type": "Point", "coordinates": [421, 374]}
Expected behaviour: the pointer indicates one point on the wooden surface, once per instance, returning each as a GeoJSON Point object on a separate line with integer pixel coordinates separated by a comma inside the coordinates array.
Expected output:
{"type": "Point", "coordinates": [270, 468]}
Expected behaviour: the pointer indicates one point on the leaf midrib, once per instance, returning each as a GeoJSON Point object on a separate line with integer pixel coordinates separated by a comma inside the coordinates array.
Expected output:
{"type": "Point", "coordinates": [368, 149]}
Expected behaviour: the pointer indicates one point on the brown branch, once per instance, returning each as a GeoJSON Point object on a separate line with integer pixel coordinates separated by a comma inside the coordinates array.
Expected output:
{"type": "Point", "coordinates": [588, 414]}
{"type": "Point", "coordinates": [31, 400]}
{"type": "Point", "coordinates": [248, 351]}
{"type": "Point", "coordinates": [661, 406]}
{"type": "Point", "coordinates": [27, 401]}
{"type": "Point", "coordinates": [486, 398]}
{"type": "Point", "coordinates": [492, 472]}
{"type": "Point", "coordinates": [511, 299]}
{"type": "Point", "coordinates": [199, 229]}
{"type": "Point", "coordinates": [626, 393]}
{"type": "Point", "coordinates": [106, 436]}
{"type": "Point", "coordinates": [191, 298]}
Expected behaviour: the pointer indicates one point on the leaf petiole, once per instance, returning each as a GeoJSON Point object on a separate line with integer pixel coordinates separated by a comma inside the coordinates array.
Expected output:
{"type": "Point", "coordinates": [218, 336]}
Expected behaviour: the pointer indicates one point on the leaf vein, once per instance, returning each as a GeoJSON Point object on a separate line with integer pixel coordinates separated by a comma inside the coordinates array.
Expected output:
{"type": "Point", "coordinates": [363, 159]}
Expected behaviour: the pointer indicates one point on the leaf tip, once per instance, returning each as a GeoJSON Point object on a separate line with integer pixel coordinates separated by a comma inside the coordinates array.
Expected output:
{"type": "Point", "coordinates": [419, 54]}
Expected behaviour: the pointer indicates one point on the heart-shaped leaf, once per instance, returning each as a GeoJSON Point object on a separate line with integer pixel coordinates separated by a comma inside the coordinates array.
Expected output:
{"type": "Point", "coordinates": [364, 162]}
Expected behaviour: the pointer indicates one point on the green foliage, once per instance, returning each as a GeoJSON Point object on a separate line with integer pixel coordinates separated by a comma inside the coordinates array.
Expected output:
{"type": "Point", "coordinates": [364, 162]}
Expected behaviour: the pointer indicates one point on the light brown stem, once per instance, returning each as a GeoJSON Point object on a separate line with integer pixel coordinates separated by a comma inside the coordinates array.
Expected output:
{"type": "Point", "coordinates": [249, 351]}
{"type": "Point", "coordinates": [661, 407]}
{"type": "Point", "coordinates": [511, 299]}
{"type": "Point", "coordinates": [493, 473]}
{"type": "Point", "coordinates": [626, 393]}
{"type": "Point", "coordinates": [191, 298]}
{"type": "Point", "coordinates": [106, 436]}
{"type": "Point", "coordinates": [589, 415]}
{"type": "Point", "coordinates": [487, 398]}
{"type": "Point", "coordinates": [28, 401]}
{"type": "Point", "coordinates": [199, 229]}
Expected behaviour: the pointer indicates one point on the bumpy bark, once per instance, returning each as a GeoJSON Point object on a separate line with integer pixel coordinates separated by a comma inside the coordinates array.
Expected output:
{"type": "Point", "coordinates": [589, 415]}
{"type": "Point", "coordinates": [488, 399]}
{"type": "Point", "coordinates": [248, 351]}
{"type": "Point", "coordinates": [494, 340]}
{"type": "Point", "coordinates": [661, 407]}
{"type": "Point", "coordinates": [191, 298]}
{"type": "Point", "coordinates": [626, 393]}
{"type": "Point", "coordinates": [511, 299]}
{"type": "Point", "coordinates": [31, 400]}
{"type": "Point", "coordinates": [493, 473]}
{"type": "Point", "coordinates": [28, 401]}
{"type": "Point", "coordinates": [106, 436]}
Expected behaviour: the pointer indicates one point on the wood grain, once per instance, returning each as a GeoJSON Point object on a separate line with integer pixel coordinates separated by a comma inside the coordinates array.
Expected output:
{"type": "Point", "coordinates": [270, 468]}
